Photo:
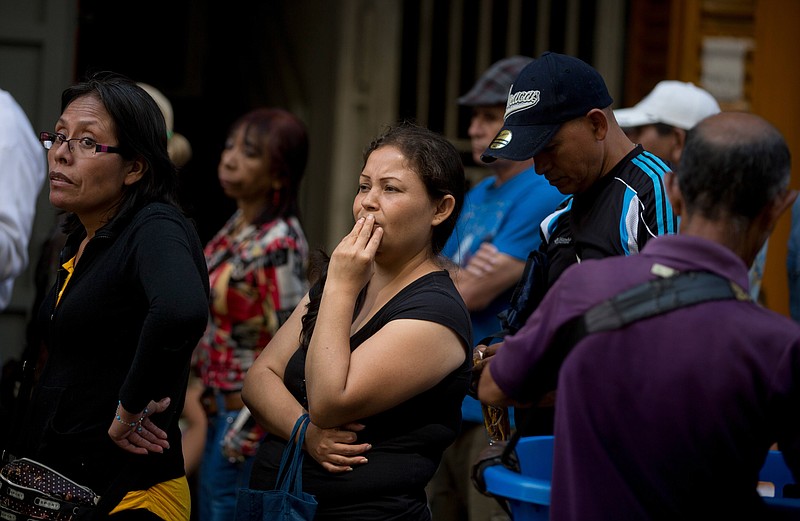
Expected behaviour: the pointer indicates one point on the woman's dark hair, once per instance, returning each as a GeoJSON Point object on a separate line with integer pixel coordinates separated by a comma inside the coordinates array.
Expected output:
{"type": "Point", "coordinates": [438, 165]}
{"type": "Point", "coordinates": [282, 138]}
{"type": "Point", "coordinates": [142, 134]}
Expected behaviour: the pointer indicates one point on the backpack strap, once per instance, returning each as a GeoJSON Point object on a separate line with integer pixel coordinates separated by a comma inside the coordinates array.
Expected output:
{"type": "Point", "coordinates": [671, 290]}
{"type": "Point", "coordinates": [660, 296]}
{"type": "Point", "coordinates": [527, 295]}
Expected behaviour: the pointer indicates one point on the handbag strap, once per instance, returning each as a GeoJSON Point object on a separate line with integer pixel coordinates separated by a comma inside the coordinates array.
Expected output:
{"type": "Point", "coordinates": [297, 464]}
{"type": "Point", "coordinates": [292, 458]}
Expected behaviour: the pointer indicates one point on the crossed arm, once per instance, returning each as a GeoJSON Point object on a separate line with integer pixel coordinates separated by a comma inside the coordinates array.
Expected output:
{"type": "Point", "coordinates": [344, 386]}
{"type": "Point", "coordinates": [488, 274]}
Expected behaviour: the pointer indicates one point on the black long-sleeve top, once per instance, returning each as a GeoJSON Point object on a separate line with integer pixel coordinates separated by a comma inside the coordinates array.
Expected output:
{"type": "Point", "coordinates": [124, 329]}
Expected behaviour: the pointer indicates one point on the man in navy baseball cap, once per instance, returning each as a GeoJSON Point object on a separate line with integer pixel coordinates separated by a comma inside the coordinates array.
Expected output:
{"type": "Point", "coordinates": [548, 92]}
{"type": "Point", "coordinates": [559, 113]}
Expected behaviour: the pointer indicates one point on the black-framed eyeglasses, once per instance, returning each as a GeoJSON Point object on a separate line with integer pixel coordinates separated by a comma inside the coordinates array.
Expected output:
{"type": "Point", "coordinates": [86, 146]}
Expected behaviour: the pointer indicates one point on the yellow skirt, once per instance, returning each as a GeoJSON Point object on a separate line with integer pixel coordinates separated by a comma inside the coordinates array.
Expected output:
{"type": "Point", "coordinates": [168, 500]}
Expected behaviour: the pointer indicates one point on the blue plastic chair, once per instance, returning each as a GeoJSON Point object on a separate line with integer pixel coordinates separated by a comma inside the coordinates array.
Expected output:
{"type": "Point", "coordinates": [778, 474]}
{"type": "Point", "coordinates": [528, 493]}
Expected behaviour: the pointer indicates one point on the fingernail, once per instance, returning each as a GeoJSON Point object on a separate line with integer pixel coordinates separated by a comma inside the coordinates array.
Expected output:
{"type": "Point", "coordinates": [360, 220]}
{"type": "Point", "coordinates": [370, 216]}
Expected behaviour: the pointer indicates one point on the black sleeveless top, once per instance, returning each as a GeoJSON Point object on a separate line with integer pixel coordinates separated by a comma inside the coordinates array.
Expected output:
{"type": "Point", "coordinates": [407, 440]}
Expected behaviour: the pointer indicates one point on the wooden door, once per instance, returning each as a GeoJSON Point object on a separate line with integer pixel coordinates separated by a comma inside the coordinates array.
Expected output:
{"type": "Point", "coordinates": [765, 31]}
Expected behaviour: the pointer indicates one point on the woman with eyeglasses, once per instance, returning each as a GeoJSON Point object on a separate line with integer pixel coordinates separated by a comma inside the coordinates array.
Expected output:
{"type": "Point", "coordinates": [129, 305]}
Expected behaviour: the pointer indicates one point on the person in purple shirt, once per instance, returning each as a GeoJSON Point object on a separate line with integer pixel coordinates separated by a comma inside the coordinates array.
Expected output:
{"type": "Point", "coordinates": [671, 417]}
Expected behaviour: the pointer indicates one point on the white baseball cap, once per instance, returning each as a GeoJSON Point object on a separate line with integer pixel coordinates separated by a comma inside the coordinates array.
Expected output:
{"type": "Point", "coordinates": [677, 103]}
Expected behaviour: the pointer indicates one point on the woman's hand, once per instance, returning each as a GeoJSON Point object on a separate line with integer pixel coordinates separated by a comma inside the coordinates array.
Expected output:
{"type": "Point", "coordinates": [136, 433]}
{"type": "Point", "coordinates": [353, 261]}
{"type": "Point", "coordinates": [335, 449]}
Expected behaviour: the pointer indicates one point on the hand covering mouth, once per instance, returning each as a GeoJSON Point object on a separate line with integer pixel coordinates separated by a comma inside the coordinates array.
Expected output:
{"type": "Point", "coordinates": [375, 223]}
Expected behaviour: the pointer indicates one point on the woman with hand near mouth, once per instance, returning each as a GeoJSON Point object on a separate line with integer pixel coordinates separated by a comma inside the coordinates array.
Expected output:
{"type": "Point", "coordinates": [257, 268]}
{"type": "Point", "coordinates": [127, 309]}
{"type": "Point", "coordinates": [377, 352]}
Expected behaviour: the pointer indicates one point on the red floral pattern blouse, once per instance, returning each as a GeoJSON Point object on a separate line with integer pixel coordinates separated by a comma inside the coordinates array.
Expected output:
{"type": "Point", "coordinates": [257, 279]}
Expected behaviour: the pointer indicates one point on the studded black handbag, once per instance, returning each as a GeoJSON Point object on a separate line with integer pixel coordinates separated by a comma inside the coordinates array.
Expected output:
{"type": "Point", "coordinates": [30, 490]}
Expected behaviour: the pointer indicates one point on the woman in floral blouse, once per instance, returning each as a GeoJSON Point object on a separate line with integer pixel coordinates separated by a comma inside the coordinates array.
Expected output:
{"type": "Point", "coordinates": [256, 264]}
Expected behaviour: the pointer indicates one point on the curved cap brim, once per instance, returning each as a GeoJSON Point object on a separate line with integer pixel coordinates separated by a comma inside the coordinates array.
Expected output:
{"type": "Point", "coordinates": [634, 117]}
{"type": "Point", "coordinates": [519, 142]}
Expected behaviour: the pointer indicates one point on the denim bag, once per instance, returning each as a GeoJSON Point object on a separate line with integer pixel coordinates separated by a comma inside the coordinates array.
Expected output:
{"type": "Point", "coordinates": [287, 502]}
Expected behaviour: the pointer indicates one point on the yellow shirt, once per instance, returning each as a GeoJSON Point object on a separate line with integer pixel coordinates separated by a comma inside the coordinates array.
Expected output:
{"type": "Point", "coordinates": [70, 267]}
{"type": "Point", "coordinates": [168, 500]}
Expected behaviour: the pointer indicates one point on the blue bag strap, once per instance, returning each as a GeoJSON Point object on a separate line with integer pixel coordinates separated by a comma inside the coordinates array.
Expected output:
{"type": "Point", "coordinates": [297, 462]}
{"type": "Point", "coordinates": [291, 453]}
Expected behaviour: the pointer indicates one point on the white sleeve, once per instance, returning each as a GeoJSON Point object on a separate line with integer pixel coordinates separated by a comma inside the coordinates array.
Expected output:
{"type": "Point", "coordinates": [22, 172]}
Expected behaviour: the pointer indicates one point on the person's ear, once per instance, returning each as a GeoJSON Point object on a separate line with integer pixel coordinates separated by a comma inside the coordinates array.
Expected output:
{"type": "Point", "coordinates": [599, 123]}
{"type": "Point", "coordinates": [680, 136]}
{"type": "Point", "coordinates": [764, 223]}
{"type": "Point", "coordinates": [674, 192]}
{"type": "Point", "coordinates": [679, 140]}
{"type": "Point", "coordinates": [444, 208]}
{"type": "Point", "coordinates": [136, 170]}
{"type": "Point", "coordinates": [780, 204]}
